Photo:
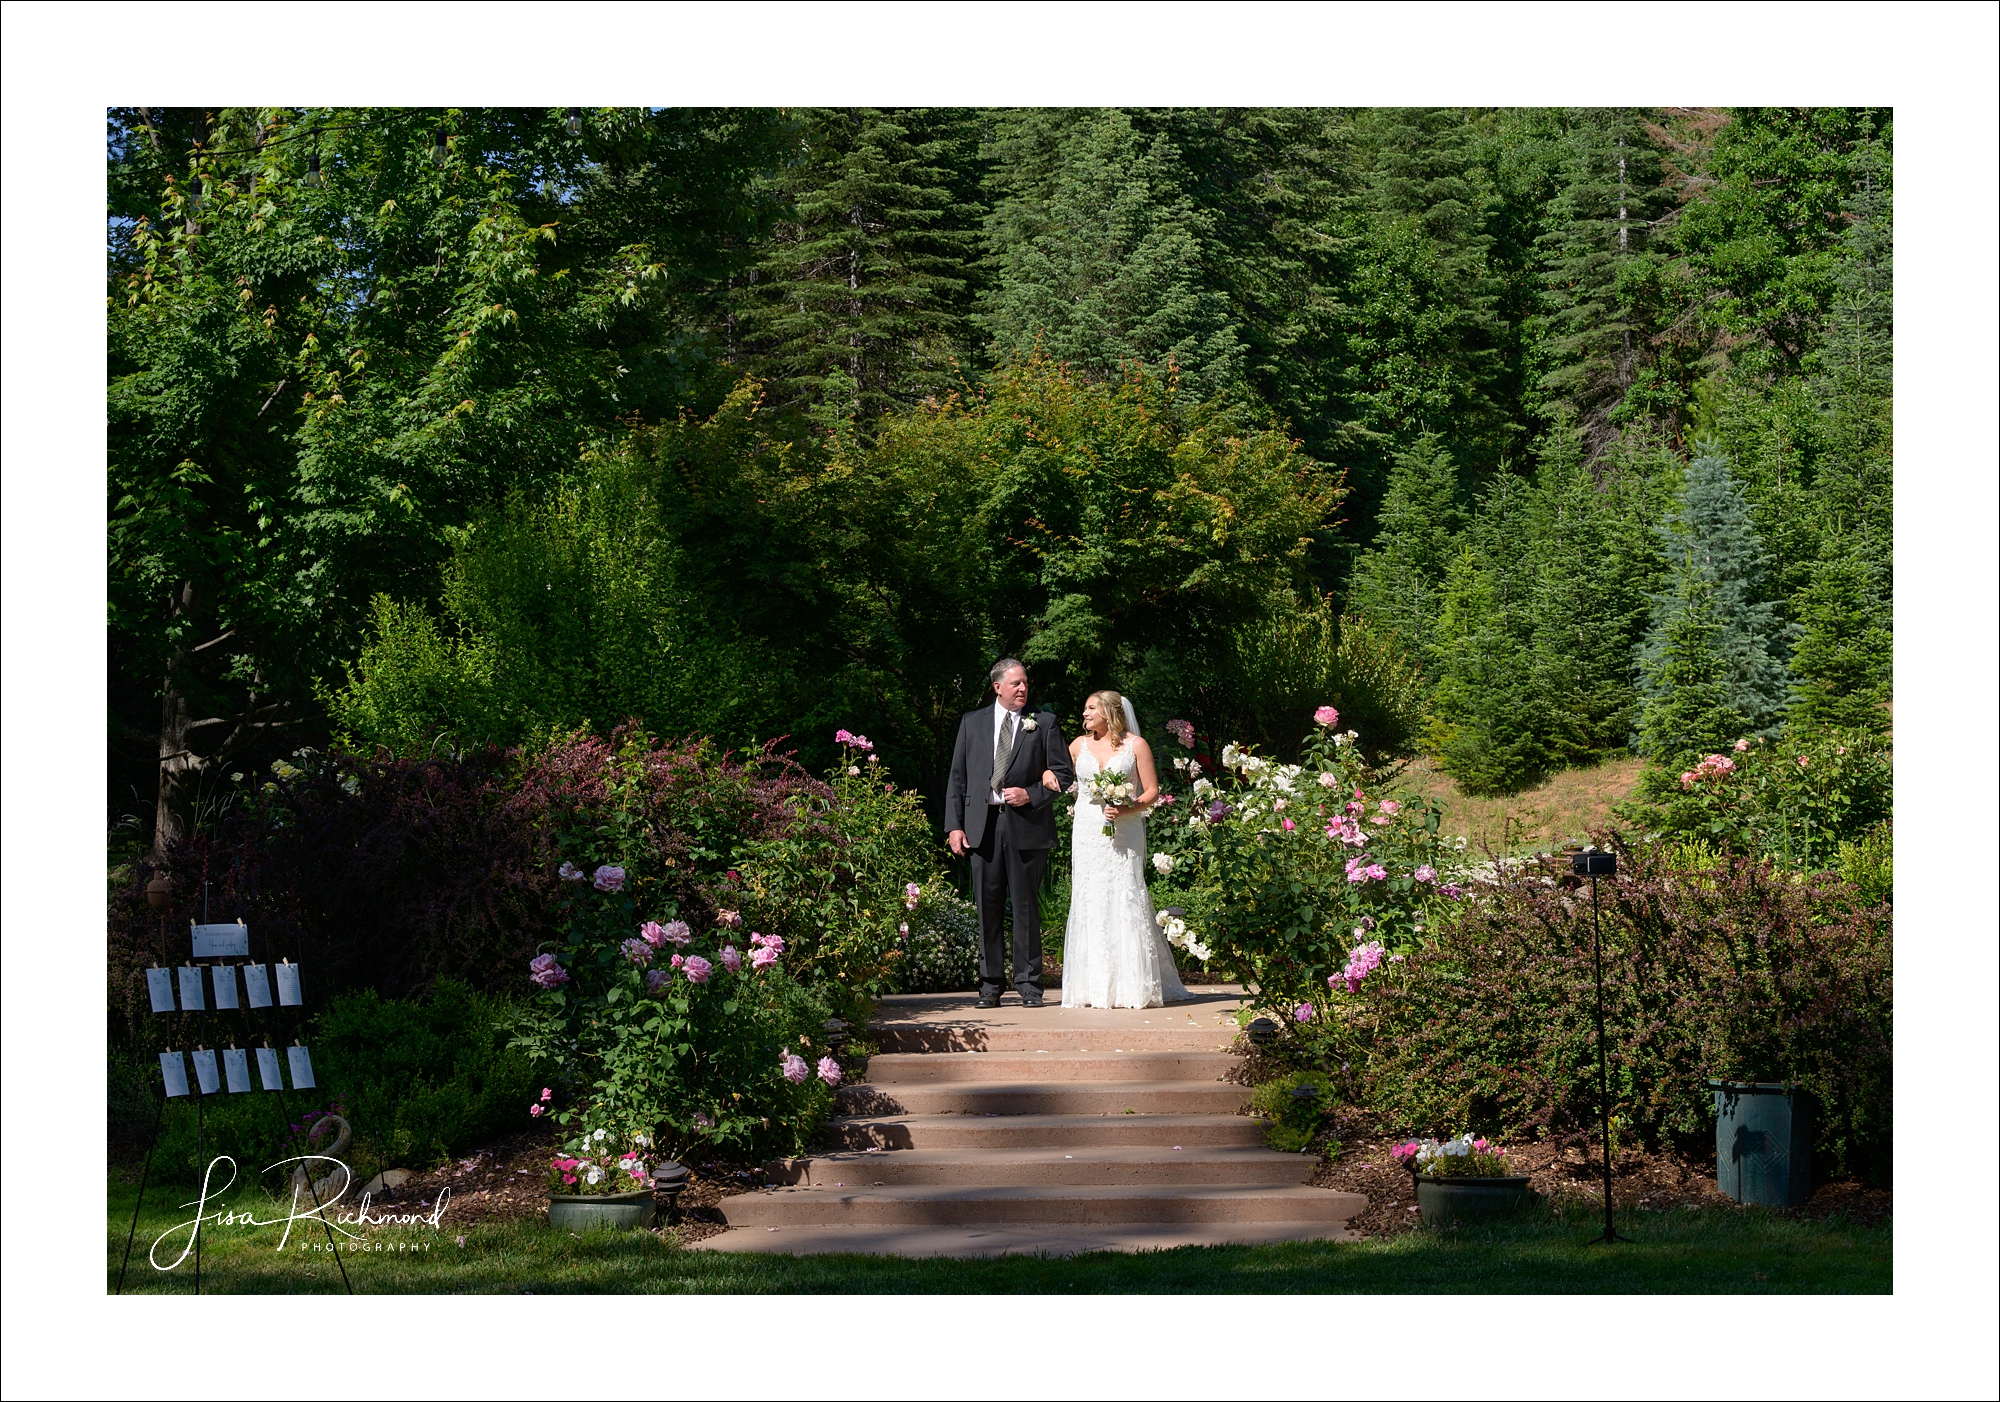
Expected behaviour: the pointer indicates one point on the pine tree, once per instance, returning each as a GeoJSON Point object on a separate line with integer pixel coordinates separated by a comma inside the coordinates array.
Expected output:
{"type": "Point", "coordinates": [1711, 526]}
{"type": "Point", "coordinates": [865, 271]}
{"type": "Point", "coordinates": [1843, 657]}
{"type": "Point", "coordinates": [1484, 641]}
{"type": "Point", "coordinates": [1688, 710]}
{"type": "Point", "coordinates": [1590, 337]}
{"type": "Point", "coordinates": [1097, 255]}
{"type": "Point", "coordinates": [1399, 582]}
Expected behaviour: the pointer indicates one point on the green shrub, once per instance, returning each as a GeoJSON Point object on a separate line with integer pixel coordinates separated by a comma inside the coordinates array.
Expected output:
{"type": "Point", "coordinates": [1869, 864]}
{"type": "Point", "coordinates": [416, 1081]}
{"type": "Point", "coordinates": [943, 946]}
{"type": "Point", "coordinates": [1295, 1108]}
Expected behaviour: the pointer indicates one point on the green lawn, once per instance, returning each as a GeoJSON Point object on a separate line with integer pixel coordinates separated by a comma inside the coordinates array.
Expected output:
{"type": "Point", "coordinates": [1706, 1251]}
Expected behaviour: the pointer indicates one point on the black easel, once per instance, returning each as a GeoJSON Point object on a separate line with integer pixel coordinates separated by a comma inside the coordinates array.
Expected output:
{"type": "Point", "coordinates": [1593, 865]}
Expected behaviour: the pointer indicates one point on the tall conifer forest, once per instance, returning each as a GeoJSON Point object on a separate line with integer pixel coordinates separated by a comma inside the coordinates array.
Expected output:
{"type": "Point", "coordinates": [1525, 437]}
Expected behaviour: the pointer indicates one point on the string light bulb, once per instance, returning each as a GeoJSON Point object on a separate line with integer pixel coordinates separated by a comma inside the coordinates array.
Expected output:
{"type": "Point", "coordinates": [575, 122]}
{"type": "Point", "coordinates": [442, 151]}
{"type": "Point", "coordinates": [314, 177]}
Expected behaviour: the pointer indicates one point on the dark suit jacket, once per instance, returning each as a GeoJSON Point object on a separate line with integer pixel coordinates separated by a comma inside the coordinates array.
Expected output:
{"type": "Point", "coordinates": [1029, 828]}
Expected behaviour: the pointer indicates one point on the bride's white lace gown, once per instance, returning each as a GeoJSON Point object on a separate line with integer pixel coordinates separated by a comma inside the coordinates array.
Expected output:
{"type": "Point", "coordinates": [1114, 956]}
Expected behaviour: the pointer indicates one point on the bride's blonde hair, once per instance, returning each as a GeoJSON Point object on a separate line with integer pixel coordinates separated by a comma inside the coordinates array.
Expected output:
{"type": "Point", "coordinates": [1111, 706]}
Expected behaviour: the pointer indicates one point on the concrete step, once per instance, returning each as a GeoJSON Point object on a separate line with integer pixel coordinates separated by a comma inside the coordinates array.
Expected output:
{"type": "Point", "coordinates": [934, 1068]}
{"type": "Point", "coordinates": [1058, 1132]}
{"type": "Point", "coordinates": [1056, 1037]}
{"type": "Point", "coordinates": [1068, 1239]}
{"type": "Point", "coordinates": [1241, 1165]}
{"type": "Point", "coordinates": [1045, 1098]}
{"type": "Point", "coordinates": [926, 1205]}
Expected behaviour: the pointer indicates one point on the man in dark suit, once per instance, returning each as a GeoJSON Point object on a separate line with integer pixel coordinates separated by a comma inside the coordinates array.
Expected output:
{"type": "Point", "coordinates": [996, 807]}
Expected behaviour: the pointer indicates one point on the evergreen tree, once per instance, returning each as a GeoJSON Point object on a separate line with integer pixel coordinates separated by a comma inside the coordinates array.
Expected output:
{"type": "Point", "coordinates": [1688, 710]}
{"type": "Point", "coordinates": [1399, 582]}
{"type": "Point", "coordinates": [1484, 641]}
{"type": "Point", "coordinates": [1097, 255]}
{"type": "Point", "coordinates": [1843, 657]}
{"type": "Point", "coordinates": [1588, 609]}
{"type": "Point", "coordinates": [1590, 336]}
{"type": "Point", "coordinates": [1711, 526]}
{"type": "Point", "coordinates": [865, 272]}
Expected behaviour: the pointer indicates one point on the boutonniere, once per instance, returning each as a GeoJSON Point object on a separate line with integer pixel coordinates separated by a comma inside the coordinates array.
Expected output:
{"type": "Point", "coordinates": [1028, 723]}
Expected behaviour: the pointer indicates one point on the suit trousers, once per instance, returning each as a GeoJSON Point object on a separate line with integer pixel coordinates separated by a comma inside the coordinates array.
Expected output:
{"type": "Point", "coordinates": [1001, 870]}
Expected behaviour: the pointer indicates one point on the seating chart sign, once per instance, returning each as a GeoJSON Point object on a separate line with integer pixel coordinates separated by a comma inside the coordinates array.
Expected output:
{"type": "Point", "coordinates": [222, 941]}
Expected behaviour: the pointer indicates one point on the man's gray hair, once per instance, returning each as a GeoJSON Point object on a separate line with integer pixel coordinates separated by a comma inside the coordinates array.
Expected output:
{"type": "Point", "coordinates": [1004, 666]}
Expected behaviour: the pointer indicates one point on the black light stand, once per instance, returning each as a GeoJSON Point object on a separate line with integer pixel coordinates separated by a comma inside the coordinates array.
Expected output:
{"type": "Point", "coordinates": [1593, 865]}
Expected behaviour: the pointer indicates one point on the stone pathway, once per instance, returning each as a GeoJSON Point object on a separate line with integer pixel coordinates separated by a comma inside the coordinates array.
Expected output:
{"type": "Point", "coordinates": [1050, 1130]}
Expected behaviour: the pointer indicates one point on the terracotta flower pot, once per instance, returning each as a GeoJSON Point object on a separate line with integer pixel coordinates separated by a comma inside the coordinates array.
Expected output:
{"type": "Point", "coordinates": [619, 1211]}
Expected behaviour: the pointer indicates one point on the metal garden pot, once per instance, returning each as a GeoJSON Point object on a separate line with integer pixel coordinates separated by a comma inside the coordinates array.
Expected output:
{"type": "Point", "coordinates": [1763, 1141]}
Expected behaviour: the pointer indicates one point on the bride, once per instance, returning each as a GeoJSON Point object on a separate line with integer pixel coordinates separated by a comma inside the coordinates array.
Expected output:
{"type": "Point", "coordinates": [1114, 956]}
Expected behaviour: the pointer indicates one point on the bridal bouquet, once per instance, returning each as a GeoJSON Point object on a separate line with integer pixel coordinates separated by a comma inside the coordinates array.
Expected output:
{"type": "Point", "coordinates": [1109, 789]}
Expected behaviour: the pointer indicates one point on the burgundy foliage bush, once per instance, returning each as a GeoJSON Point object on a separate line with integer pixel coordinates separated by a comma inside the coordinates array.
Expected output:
{"type": "Point", "coordinates": [1742, 972]}
{"type": "Point", "coordinates": [390, 873]}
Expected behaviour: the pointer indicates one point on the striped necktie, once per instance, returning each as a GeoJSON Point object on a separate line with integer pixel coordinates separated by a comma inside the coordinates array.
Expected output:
{"type": "Point", "coordinates": [1004, 752]}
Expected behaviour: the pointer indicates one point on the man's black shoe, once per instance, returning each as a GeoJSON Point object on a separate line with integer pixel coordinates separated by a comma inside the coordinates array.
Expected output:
{"type": "Point", "coordinates": [1031, 1000]}
{"type": "Point", "coordinates": [985, 1002]}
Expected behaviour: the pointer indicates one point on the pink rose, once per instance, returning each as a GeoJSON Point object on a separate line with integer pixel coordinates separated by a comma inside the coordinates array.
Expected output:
{"type": "Point", "coordinates": [1304, 1012]}
{"type": "Point", "coordinates": [568, 872]}
{"type": "Point", "coordinates": [1326, 715]}
{"type": "Point", "coordinates": [1741, 746]}
{"type": "Point", "coordinates": [729, 918]}
{"type": "Point", "coordinates": [609, 879]}
{"type": "Point", "coordinates": [774, 943]}
{"type": "Point", "coordinates": [656, 979]}
{"type": "Point", "coordinates": [859, 742]}
{"type": "Point", "coordinates": [829, 1070]}
{"type": "Point", "coordinates": [763, 957]}
{"type": "Point", "coordinates": [912, 893]}
{"type": "Point", "coordinates": [677, 960]}
{"type": "Point", "coordinates": [548, 1094]}
{"type": "Point", "coordinates": [793, 1068]}
{"type": "Point", "coordinates": [652, 934]}
{"type": "Point", "coordinates": [731, 960]}
{"type": "Point", "coordinates": [1288, 824]}
{"type": "Point", "coordinates": [1182, 731]}
{"type": "Point", "coordinates": [1329, 780]}
{"type": "Point", "coordinates": [677, 933]}
{"type": "Point", "coordinates": [535, 1110]}
{"type": "Point", "coordinates": [638, 951]}
{"type": "Point", "coordinates": [1802, 762]}
{"type": "Point", "coordinates": [697, 969]}
{"type": "Point", "coordinates": [545, 972]}
{"type": "Point", "coordinates": [1389, 805]}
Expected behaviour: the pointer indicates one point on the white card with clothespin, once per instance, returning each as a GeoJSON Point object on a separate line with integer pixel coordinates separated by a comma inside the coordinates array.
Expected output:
{"type": "Point", "coordinates": [236, 1069]}
{"type": "Point", "coordinates": [302, 1067]}
{"type": "Point", "coordinates": [192, 1000]}
{"type": "Point", "coordinates": [258, 984]}
{"type": "Point", "coordinates": [174, 1071]}
{"type": "Point", "coordinates": [267, 1069]}
{"type": "Point", "coordinates": [288, 983]}
{"type": "Point", "coordinates": [225, 986]}
{"type": "Point", "coordinates": [160, 988]}
{"type": "Point", "coordinates": [204, 1071]}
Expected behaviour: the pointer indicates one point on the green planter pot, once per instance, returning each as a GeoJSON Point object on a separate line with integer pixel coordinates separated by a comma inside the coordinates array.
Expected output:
{"type": "Point", "coordinates": [1444, 1200]}
{"type": "Point", "coordinates": [1763, 1141]}
{"type": "Point", "coordinates": [615, 1210]}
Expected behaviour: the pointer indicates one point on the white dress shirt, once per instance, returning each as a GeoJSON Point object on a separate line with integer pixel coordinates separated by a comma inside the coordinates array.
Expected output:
{"type": "Point", "coordinates": [1000, 714]}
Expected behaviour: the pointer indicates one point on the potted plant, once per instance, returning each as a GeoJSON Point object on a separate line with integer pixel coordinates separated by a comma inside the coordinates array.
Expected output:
{"type": "Point", "coordinates": [597, 1182]}
{"type": "Point", "coordinates": [1460, 1178]}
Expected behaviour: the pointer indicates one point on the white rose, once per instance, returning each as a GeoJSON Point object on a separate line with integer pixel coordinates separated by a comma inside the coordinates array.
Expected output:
{"type": "Point", "coordinates": [1028, 724]}
{"type": "Point", "coordinates": [1163, 862]}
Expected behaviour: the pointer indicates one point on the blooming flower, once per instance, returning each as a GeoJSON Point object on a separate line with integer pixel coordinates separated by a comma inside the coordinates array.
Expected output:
{"type": "Point", "coordinates": [1360, 869]}
{"type": "Point", "coordinates": [653, 934]}
{"type": "Point", "coordinates": [535, 1110]}
{"type": "Point", "coordinates": [1216, 810]}
{"type": "Point", "coordinates": [1802, 762]}
{"type": "Point", "coordinates": [677, 961]}
{"type": "Point", "coordinates": [912, 893]}
{"type": "Point", "coordinates": [731, 959]}
{"type": "Point", "coordinates": [729, 918]}
{"type": "Point", "coordinates": [1182, 731]}
{"type": "Point", "coordinates": [1403, 1153]}
{"type": "Point", "coordinates": [638, 951]}
{"type": "Point", "coordinates": [1303, 1012]}
{"type": "Point", "coordinates": [1741, 746]}
{"type": "Point", "coordinates": [656, 979]}
{"type": "Point", "coordinates": [1163, 863]}
{"type": "Point", "coordinates": [774, 943]}
{"type": "Point", "coordinates": [763, 957]}
{"type": "Point", "coordinates": [1452, 890]}
{"type": "Point", "coordinates": [793, 1067]}
{"type": "Point", "coordinates": [568, 872]}
{"type": "Point", "coordinates": [697, 969]}
{"type": "Point", "coordinates": [829, 1070]}
{"type": "Point", "coordinates": [1289, 824]}
{"type": "Point", "coordinates": [1390, 806]}
{"type": "Point", "coordinates": [1326, 715]}
{"type": "Point", "coordinates": [545, 972]}
{"type": "Point", "coordinates": [1713, 767]}
{"type": "Point", "coordinates": [1362, 961]}
{"type": "Point", "coordinates": [609, 879]}
{"type": "Point", "coordinates": [676, 933]}
{"type": "Point", "coordinates": [1426, 872]}
{"type": "Point", "coordinates": [548, 1094]}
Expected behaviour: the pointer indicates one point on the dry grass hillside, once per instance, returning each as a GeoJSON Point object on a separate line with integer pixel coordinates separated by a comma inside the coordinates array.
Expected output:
{"type": "Point", "coordinates": [1560, 810]}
